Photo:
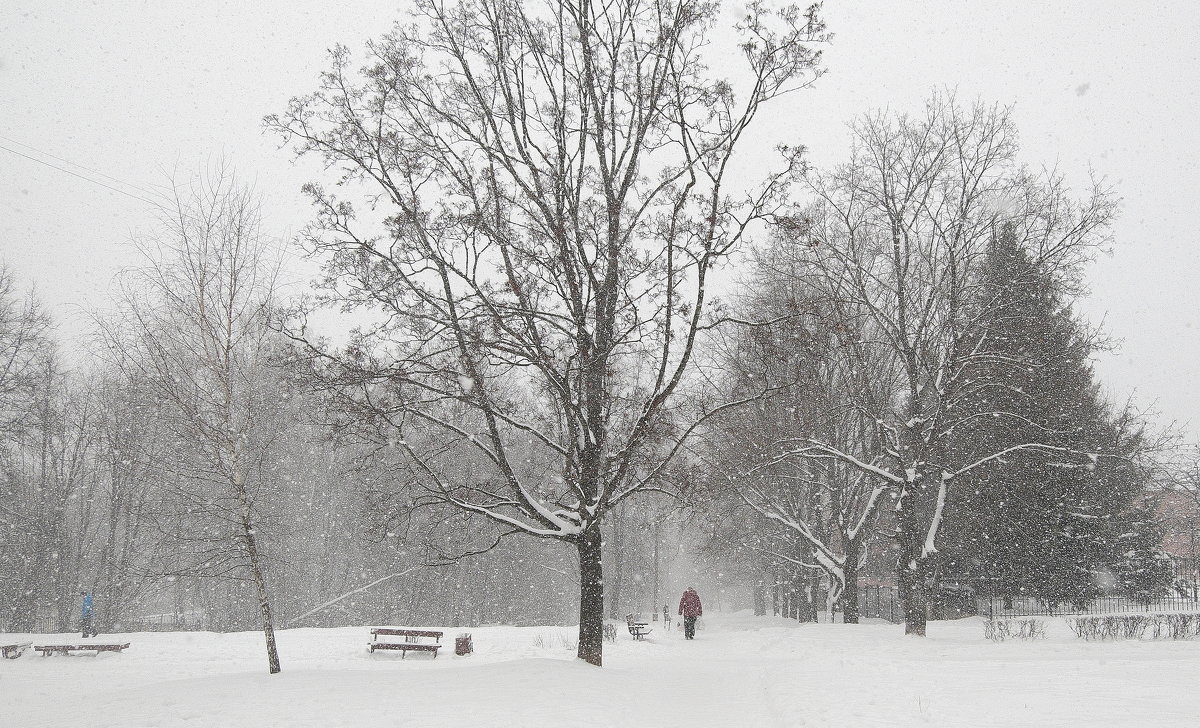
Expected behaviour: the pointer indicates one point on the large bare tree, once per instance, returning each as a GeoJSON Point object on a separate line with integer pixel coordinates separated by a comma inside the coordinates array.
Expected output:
{"type": "Point", "coordinates": [549, 196]}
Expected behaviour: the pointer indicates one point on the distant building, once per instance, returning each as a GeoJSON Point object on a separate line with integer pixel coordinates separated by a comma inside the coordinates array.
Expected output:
{"type": "Point", "coordinates": [1179, 516]}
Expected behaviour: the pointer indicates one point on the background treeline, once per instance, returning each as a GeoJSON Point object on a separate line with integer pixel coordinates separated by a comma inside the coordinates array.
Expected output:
{"type": "Point", "coordinates": [99, 494]}
{"type": "Point", "coordinates": [102, 490]}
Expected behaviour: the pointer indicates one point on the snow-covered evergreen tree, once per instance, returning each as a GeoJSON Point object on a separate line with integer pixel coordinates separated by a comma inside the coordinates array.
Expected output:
{"type": "Point", "coordinates": [1025, 525]}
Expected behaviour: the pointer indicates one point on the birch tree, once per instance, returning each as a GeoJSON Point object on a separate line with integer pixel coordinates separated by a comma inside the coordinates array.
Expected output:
{"type": "Point", "coordinates": [192, 327]}
{"type": "Point", "coordinates": [550, 191]}
{"type": "Point", "coordinates": [902, 230]}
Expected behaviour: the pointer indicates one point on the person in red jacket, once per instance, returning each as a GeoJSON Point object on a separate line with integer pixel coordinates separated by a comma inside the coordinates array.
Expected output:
{"type": "Point", "coordinates": [689, 607]}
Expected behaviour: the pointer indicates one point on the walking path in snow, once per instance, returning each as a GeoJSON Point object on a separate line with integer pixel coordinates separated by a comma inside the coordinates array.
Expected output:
{"type": "Point", "coordinates": [741, 671]}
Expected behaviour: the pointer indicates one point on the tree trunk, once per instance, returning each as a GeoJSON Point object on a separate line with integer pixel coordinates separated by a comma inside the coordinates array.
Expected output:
{"type": "Point", "coordinates": [849, 598]}
{"type": "Point", "coordinates": [264, 604]}
{"type": "Point", "coordinates": [760, 599]}
{"type": "Point", "coordinates": [657, 541]}
{"type": "Point", "coordinates": [912, 586]}
{"type": "Point", "coordinates": [25, 609]}
{"type": "Point", "coordinates": [260, 583]}
{"type": "Point", "coordinates": [616, 571]}
{"type": "Point", "coordinates": [591, 598]}
{"type": "Point", "coordinates": [808, 599]}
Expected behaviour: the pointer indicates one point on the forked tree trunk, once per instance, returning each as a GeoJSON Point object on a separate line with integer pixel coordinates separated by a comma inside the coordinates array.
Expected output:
{"type": "Point", "coordinates": [591, 598]}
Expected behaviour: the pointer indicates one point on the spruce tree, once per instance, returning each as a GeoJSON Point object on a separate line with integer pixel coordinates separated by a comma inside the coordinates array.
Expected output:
{"type": "Point", "coordinates": [1028, 525]}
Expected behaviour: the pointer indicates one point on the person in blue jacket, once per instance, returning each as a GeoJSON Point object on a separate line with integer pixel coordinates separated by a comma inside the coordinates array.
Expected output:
{"type": "Point", "coordinates": [88, 616]}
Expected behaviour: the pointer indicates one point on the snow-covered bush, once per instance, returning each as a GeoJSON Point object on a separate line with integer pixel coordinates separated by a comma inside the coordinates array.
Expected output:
{"type": "Point", "coordinates": [1111, 626]}
{"type": "Point", "coordinates": [553, 640]}
{"type": "Point", "coordinates": [999, 630]}
{"type": "Point", "coordinates": [1177, 626]}
{"type": "Point", "coordinates": [1137, 626]}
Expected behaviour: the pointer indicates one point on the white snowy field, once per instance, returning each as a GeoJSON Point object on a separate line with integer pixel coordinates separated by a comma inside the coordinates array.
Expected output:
{"type": "Point", "coordinates": [741, 671]}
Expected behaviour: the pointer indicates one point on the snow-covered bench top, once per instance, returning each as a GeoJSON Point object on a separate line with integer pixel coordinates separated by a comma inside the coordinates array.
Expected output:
{"type": "Point", "coordinates": [411, 641]}
{"type": "Point", "coordinates": [46, 650]}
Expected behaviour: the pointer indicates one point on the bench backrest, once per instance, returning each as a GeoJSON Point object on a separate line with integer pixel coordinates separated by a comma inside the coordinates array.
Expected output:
{"type": "Point", "coordinates": [406, 632]}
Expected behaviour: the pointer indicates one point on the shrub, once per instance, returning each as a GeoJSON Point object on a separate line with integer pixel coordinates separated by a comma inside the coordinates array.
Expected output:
{"type": "Point", "coordinates": [1136, 626]}
{"type": "Point", "coordinates": [999, 630]}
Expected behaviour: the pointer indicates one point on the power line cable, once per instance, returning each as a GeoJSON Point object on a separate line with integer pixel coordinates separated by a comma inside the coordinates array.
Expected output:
{"type": "Point", "coordinates": [80, 176]}
{"type": "Point", "coordinates": [44, 153]}
{"type": "Point", "coordinates": [280, 247]}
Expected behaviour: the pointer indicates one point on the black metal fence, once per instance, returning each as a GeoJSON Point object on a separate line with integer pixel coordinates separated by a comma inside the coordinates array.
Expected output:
{"type": "Point", "coordinates": [883, 602]}
{"type": "Point", "coordinates": [879, 602]}
{"type": "Point", "coordinates": [1030, 607]}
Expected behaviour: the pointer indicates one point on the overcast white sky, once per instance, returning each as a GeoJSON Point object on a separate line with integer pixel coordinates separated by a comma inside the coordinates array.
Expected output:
{"type": "Point", "coordinates": [134, 89]}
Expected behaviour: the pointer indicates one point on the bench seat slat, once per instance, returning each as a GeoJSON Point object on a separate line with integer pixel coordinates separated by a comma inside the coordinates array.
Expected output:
{"type": "Point", "coordinates": [64, 649]}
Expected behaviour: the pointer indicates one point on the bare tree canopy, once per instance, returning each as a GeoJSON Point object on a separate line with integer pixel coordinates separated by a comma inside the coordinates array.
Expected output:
{"type": "Point", "coordinates": [24, 346]}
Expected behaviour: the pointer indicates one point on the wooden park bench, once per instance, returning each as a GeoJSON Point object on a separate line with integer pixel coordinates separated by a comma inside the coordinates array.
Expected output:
{"type": "Point", "coordinates": [47, 650]}
{"type": "Point", "coordinates": [12, 652]}
{"type": "Point", "coordinates": [411, 641]}
{"type": "Point", "coordinates": [637, 627]}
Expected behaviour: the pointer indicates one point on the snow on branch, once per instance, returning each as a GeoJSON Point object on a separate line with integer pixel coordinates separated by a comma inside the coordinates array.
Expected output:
{"type": "Point", "coordinates": [1091, 457]}
{"type": "Point", "coordinates": [817, 449]}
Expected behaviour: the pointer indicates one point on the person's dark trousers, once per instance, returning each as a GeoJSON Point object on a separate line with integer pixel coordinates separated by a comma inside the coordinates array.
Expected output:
{"type": "Point", "coordinates": [689, 627]}
{"type": "Point", "coordinates": [89, 628]}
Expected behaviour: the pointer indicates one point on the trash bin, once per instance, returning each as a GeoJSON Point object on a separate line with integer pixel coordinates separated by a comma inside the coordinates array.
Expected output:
{"type": "Point", "coordinates": [462, 644]}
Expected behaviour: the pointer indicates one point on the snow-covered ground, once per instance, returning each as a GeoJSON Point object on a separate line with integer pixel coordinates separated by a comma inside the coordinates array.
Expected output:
{"type": "Point", "coordinates": [741, 671]}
